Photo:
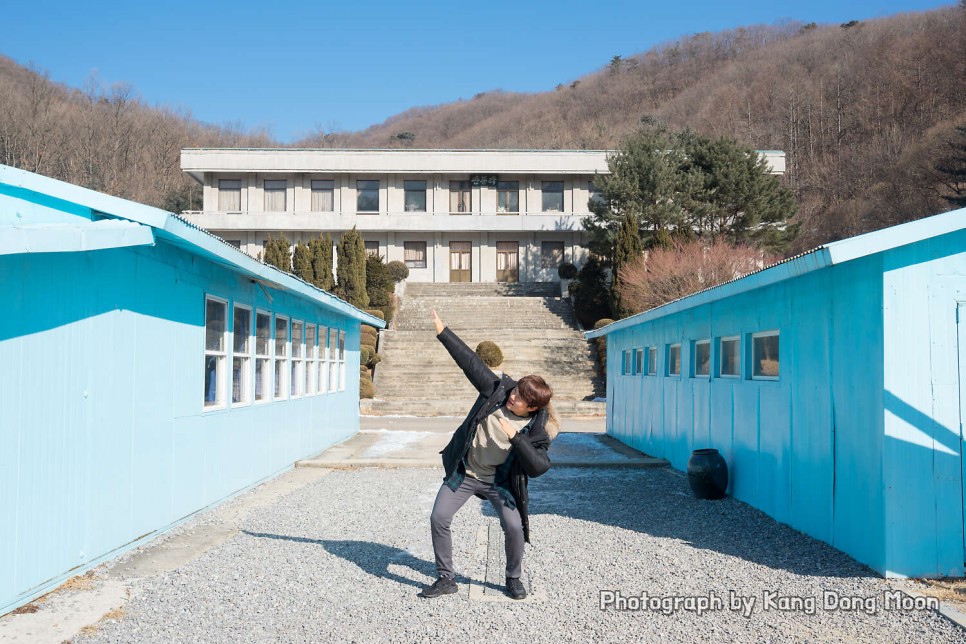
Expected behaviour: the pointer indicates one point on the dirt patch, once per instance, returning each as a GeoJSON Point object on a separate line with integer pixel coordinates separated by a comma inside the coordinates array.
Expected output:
{"type": "Point", "coordinates": [78, 582]}
{"type": "Point", "coordinates": [951, 590]}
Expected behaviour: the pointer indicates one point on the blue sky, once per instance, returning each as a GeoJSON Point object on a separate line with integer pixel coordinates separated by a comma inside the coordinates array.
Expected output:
{"type": "Point", "coordinates": [294, 66]}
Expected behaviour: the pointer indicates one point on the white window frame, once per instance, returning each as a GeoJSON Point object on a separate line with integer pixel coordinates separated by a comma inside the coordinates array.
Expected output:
{"type": "Point", "coordinates": [694, 358]}
{"type": "Point", "coordinates": [414, 245]}
{"type": "Point", "coordinates": [311, 360]}
{"type": "Point", "coordinates": [297, 351]}
{"type": "Point", "coordinates": [639, 361]}
{"type": "Point", "coordinates": [318, 187]}
{"type": "Point", "coordinates": [333, 345]}
{"type": "Point", "coordinates": [223, 191]}
{"type": "Point", "coordinates": [245, 371]}
{"type": "Point", "coordinates": [323, 359]}
{"type": "Point", "coordinates": [721, 354]}
{"type": "Point", "coordinates": [341, 360]}
{"type": "Point", "coordinates": [359, 191]}
{"type": "Point", "coordinates": [264, 363]}
{"type": "Point", "coordinates": [276, 188]}
{"type": "Point", "coordinates": [221, 358]}
{"type": "Point", "coordinates": [281, 361]}
{"type": "Point", "coordinates": [671, 347]}
{"type": "Point", "coordinates": [751, 351]}
{"type": "Point", "coordinates": [652, 361]}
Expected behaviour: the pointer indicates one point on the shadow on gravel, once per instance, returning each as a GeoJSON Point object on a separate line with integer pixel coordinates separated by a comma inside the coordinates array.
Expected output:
{"type": "Point", "coordinates": [373, 558]}
{"type": "Point", "coordinates": [659, 503]}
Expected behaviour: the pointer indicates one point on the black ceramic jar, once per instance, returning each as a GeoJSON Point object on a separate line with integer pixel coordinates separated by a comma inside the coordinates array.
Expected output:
{"type": "Point", "coordinates": [707, 474]}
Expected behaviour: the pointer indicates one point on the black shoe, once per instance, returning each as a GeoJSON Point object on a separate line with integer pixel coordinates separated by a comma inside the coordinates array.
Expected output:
{"type": "Point", "coordinates": [442, 586]}
{"type": "Point", "coordinates": [515, 589]}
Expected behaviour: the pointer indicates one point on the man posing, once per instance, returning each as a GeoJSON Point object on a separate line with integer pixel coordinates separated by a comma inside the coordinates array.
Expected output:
{"type": "Point", "coordinates": [503, 440]}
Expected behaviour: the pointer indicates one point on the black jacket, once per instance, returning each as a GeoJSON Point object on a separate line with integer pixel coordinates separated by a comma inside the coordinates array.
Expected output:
{"type": "Point", "coordinates": [528, 456]}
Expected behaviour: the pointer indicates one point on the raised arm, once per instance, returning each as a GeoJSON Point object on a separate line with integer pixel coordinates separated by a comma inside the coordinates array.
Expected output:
{"type": "Point", "coordinates": [479, 375]}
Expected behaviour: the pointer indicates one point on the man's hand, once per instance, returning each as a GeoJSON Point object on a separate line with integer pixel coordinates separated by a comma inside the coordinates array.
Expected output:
{"type": "Point", "coordinates": [507, 428]}
{"type": "Point", "coordinates": [438, 323]}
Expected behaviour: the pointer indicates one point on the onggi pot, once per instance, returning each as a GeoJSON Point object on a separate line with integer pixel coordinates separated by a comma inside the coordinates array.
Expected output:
{"type": "Point", "coordinates": [707, 474]}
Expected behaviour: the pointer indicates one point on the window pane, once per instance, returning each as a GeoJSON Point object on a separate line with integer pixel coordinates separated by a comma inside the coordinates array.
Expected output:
{"type": "Point", "coordinates": [415, 196]}
{"type": "Point", "coordinates": [553, 196]}
{"type": "Point", "coordinates": [263, 325]}
{"type": "Point", "coordinates": [367, 196]}
{"type": "Point", "coordinates": [281, 336]}
{"type": "Point", "coordinates": [702, 358]}
{"type": "Point", "coordinates": [674, 360]}
{"type": "Point", "coordinates": [229, 195]}
{"type": "Point", "coordinates": [595, 196]}
{"type": "Point", "coordinates": [215, 324]}
{"type": "Point", "coordinates": [242, 330]}
{"type": "Point", "coordinates": [459, 196]}
{"type": "Point", "coordinates": [213, 369]}
{"type": "Point", "coordinates": [729, 357]}
{"type": "Point", "coordinates": [275, 194]}
{"type": "Point", "coordinates": [508, 196]}
{"type": "Point", "coordinates": [310, 342]}
{"type": "Point", "coordinates": [652, 361]}
{"type": "Point", "coordinates": [765, 356]}
{"type": "Point", "coordinates": [638, 361]}
{"type": "Point", "coordinates": [551, 254]}
{"type": "Point", "coordinates": [415, 254]}
{"type": "Point", "coordinates": [240, 379]}
{"type": "Point", "coordinates": [372, 248]}
{"type": "Point", "coordinates": [296, 339]}
{"type": "Point", "coordinates": [323, 195]}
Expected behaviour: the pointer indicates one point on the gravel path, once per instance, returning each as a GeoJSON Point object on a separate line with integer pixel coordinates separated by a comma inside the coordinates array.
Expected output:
{"type": "Point", "coordinates": [343, 559]}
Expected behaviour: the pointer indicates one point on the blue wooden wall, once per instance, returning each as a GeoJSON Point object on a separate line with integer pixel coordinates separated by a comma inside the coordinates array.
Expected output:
{"type": "Point", "coordinates": [103, 437]}
{"type": "Point", "coordinates": [817, 449]}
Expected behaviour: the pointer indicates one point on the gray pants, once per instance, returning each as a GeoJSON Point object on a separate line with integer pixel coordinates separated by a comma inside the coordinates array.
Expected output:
{"type": "Point", "coordinates": [449, 502]}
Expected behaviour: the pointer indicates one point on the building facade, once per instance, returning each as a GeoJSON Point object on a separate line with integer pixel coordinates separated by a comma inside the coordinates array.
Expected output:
{"type": "Point", "coordinates": [834, 385]}
{"type": "Point", "coordinates": [450, 215]}
{"type": "Point", "coordinates": [149, 371]}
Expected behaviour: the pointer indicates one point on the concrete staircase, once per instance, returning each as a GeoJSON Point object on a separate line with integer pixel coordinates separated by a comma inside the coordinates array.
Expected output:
{"type": "Point", "coordinates": [534, 327]}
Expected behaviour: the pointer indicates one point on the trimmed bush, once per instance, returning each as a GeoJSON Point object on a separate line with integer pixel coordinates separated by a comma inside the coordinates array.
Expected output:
{"type": "Point", "coordinates": [365, 354]}
{"type": "Point", "coordinates": [366, 375]}
{"type": "Point", "coordinates": [376, 313]}
{"type": "Point", "coordinates": [366, 389]}
{"type": "Point", "coordinates": [398, 270]}
{"type": "Point", "coordinates": [363, 369]}
{"type": "Point", "coordinates": [490, 354]}
{"type": "Point", "coordinates": [368, 337]}
{"type": "Point", "coordinates": [601, 323]}
{"type": "Point", "coordinates": [375, 359]}
{"type": "Point", "coordinates": [566, 271]}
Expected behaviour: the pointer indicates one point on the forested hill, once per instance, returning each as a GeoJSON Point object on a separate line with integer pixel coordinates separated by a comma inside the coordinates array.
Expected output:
{"type": "Point", "coordinates": [865, 111]}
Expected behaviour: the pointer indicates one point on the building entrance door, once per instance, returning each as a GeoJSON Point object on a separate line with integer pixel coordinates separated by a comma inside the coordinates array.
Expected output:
{"type": "Point", "coordinates": [508, 261]}
{"type": "Point", "coordinates": [459, 262]}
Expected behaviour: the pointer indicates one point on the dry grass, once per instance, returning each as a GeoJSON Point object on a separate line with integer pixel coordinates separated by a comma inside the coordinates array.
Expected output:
{"type": "Point", "coordinates": [949, 590]}
{"type": "Point", "coordinates": [78, 582]}
{"type": "Point", "coordinates": [26, 609]}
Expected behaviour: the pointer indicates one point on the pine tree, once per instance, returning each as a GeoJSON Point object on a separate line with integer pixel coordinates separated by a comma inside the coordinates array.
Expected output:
{"type": "Point", "coordinates": [302, 262]}
{"type": "Point", "coordinates": [351, 269]}
{"type": "Point", "coordinates": [277, 252]}
{"type": "Point", "coordinates": [627, 249]}
{"type": "Point", "coordinates": [322, 262]}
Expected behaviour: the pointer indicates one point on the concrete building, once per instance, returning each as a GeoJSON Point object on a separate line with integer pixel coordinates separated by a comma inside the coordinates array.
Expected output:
{"type": "Point", "coordinates": [149, 370]}
{"type": "Point", "coordinates": [833, 383]}
{"type": "Point", "coordinates": [450, 215]}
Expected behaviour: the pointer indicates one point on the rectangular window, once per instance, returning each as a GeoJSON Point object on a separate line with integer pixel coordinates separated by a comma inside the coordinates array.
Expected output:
{"type": "Point", "coordinates": [595, 196]}
{"type": "Point", "coordinates": [367, 196]}
{"type": "Point", "coordinates": [553, 196]}
{"type": "Point", "coordinates": [459, 197]}
{"type": "Point", "coordinates": [275, 195]}
{"type": "Point", "coordinates": [551, 254]}
{"type": "Point", "coordinates": [414, 196]}
{"type": "Point", "coordinates": [241, 362]}
{"type": "Point", "coordinates": [415, 254]}
{"type": "Point", "coordinates": [311, 361]}
{"type": "Point", "coordinates": [298, 359]}
{"type": "Point", "coordinates": [341, 360]}
{"type": "Point", "coordinates": [281, 357]}
{"type": "Point", "coordinates": [764, 355]}
{"type": "Point", "coordinates": [674, 360]}
{"type": "Point", "coordinates": [216, 323]}
{"type": "Point", "coordinates": [323, 359]}
{"type": "Point", "coordinates": [627, 367]}
{"type": "Point", "coordinates": [229, 195]}
{"type": "Point", "coordinates": [333, 359]}
{"type": "Point", "coordinates": [372, 248]}
{"type": "Point", "coordinates": [730, 358]}
{"type": "Point", "coordinates": [702, 358]}
{"type": "Point", "coordinates": [323, 195]}
{"type": "Point", "coordinates": [638, 362]}
{"type": "Point", "coordinates": [652, 361]}
{"type": "Point", "coordinates": [508, 197]}
{"type": "Point", "coordinates": [263, 356]}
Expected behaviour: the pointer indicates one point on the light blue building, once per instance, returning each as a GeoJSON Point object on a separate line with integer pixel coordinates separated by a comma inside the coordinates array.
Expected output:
{"type": "Point", "coordinates": [832, 383]}
{"type": "Point", "coordinates": [147, 371]}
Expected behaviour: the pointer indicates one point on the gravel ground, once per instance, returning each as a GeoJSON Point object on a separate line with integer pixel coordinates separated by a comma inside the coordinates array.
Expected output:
{"type": "Point", "coordinates": [343, 559]}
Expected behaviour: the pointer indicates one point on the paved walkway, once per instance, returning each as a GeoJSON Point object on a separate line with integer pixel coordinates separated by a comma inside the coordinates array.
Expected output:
{"type": "Point", "coordinates": [338, 551]}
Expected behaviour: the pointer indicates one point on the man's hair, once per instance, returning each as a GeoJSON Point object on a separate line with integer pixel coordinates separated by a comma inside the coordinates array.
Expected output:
{"type": "Point", "coordinates": [534, 390]}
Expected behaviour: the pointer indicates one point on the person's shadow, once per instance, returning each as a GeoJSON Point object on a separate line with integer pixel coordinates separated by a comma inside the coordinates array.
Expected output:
{"type": "Point", "coordinates": [373, 558]}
